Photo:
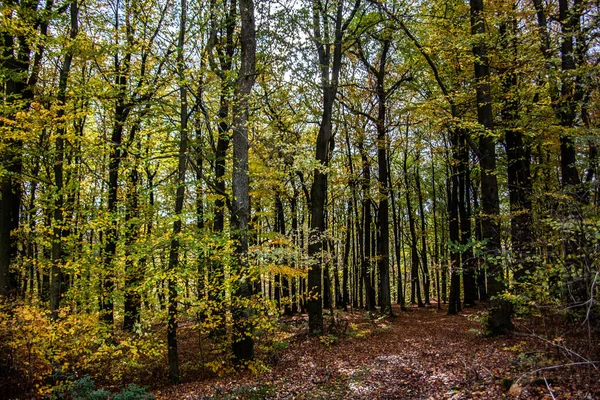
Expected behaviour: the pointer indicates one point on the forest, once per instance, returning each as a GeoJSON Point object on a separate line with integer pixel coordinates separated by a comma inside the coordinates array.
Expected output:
{"type": "Point", "coordinates": [214, 199]}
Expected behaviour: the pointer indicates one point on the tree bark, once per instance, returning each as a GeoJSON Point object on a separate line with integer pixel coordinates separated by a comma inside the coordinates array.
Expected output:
{"type": "Point", "coordinates": [243, 344]}
{"type": "Point", "coordinates": [499, 319]}
{"type": "Point", "coordinates": [425, 267]}
{"type": "Point", "coordinates": [367, 219]}
{"type": "Point", "coordinates": [329, 51]}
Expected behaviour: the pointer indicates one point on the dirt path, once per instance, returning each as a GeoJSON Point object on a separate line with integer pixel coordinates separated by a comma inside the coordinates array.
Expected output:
{"type": "Point", "coordinates": [420, 354]}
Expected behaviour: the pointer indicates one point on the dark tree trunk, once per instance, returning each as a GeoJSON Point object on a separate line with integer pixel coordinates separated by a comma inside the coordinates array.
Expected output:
{"type": "Point", "coordinates": [133, 271]}
{"type": "Point", "coordinates": [329, 51]}
{"type": "Point", "coordinates": [436, 254]}
{"type": "Point", "coordinates": [481, 275]}
{"type": "Point", "coordinates": [425, 267]}
{"type": "Point", "coordinates": [415, 285]}
{"type": "Point", "coordinates": [567, 103]}
{"type": "Point", "coordinates": [366, 231]}
{"type": "Point", "coordinates": [464, 211]}
{"type": "Point", "coordinates": [200, 213]}
{"type": "Point", "coordinates": [243, 344]}
{"type": "Point", "coordinates": [20, 75]}
{"type": "Point", "coordinates": [282, 289]}
{"type": "Point", "coordinates": [454, 305]}
{"type": "Point", "coordinates": [346, 260]}
{"type": "Point", "coordinates": [172, 301]}
{"type": "Point", "coordinates": [223, 39]}
{"type": "Point", "coordinates": [294, 211]}
{"type": "Point", "coordinates": [122, 110]}
{"type": "Point", "coordinates": [518, 164]}
{"type": "Point", "coordinates": [58, 228]}
{"type": "Point", "coordinates": [382, 235]}
{"type": "Point", "coordinates": [397, 241]}
{"type": "Point", "coordinates": [500, 310]}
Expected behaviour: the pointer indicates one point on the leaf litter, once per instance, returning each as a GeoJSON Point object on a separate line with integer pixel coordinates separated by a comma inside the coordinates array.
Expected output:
{"type": "Point", "coordinates": [422, 353]}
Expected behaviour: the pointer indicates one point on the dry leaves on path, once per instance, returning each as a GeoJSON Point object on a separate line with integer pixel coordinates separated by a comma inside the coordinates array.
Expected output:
{"type": "Point", "coordinates": [422, 353]}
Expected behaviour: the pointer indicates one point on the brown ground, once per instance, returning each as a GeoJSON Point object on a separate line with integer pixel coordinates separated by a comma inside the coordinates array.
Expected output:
{"type": "Point", "coordinates": [420, 354]}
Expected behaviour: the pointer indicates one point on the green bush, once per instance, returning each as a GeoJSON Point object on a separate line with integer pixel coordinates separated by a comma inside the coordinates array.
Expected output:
{"type": "Point", "coordinates": [84, 389]}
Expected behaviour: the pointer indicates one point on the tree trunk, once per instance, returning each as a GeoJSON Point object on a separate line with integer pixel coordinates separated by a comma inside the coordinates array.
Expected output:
{"type": "Point", "coordinates": [243, 344]}
{"type": "Point", "coordinates": [20, 75]}
{"type": "Point", "coordinates": [518, 164]}
{"type": "Point", "coordinates": [346, 259]}
{"type": "Point", "coordinates": [426, 276]}
{"type": "Point", "coordinates": [58, 228]}
{"type": "Point", "coordinates": [329, 51]}
{"type": "Point", "coordinates": [133, 271]}
{"type": "Point", "coordinates": [397, 241]}
{"type": "Point", "coordinates": [172, 301]}
{"type": "Point", "coordinates": [122, 110]}
{"type": "Point", "coordinates": [454, 305]}
{"type": "Point", "coordinates": [500, 310]}
{"type": "Point", "coordinates": [415, 285]}
{"type": "Point", "coordinates": [464, 211]}
{"type": "Point", "coordinates": [366, 230]}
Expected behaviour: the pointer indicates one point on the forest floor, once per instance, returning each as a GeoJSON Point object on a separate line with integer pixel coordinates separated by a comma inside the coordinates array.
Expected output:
{"type": "Point", "coordinates": [422, 353]}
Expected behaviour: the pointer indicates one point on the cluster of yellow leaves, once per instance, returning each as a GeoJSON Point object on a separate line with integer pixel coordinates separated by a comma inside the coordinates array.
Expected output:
{"type": "Point", "coordinates": [72, 346]}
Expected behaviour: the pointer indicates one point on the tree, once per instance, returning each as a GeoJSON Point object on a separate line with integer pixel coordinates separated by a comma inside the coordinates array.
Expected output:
{"type": "Point", "coordinates": [328, 44]}
{"type": "Point", "coordinates": [58, 228]}
{"type": "Point", "coordinates": [243, 345]}
{"type": "Point", "coordinates": [500, 310]}
{"type": "Point", "coordinates": [21, 62]}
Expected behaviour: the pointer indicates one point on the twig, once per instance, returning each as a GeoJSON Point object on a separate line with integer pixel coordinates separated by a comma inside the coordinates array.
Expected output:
{"type": "Point", "coordinates": [563, 347]}
{"type": "Point", "coordinates": [593, 363]}
{"type": "Point", "coordinates": [549, 390]}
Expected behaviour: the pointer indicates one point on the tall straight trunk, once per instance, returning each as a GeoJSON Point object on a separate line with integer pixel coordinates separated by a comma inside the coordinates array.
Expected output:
{"type": "Point", "coordinates": [436, 254]}
{"type": "Point", "coordinates": [222, 37]}
{"type": "Point", "coordinates": [318, 193]}
{"type": "Point", "coordinates": [200, 213]}
{"type": "Point", "coordinates": [356, 279]}
{"type": "Point", "coordinates": [336, 275]}
{"type": "Point", "coordinates": [337, 292]}
{"type": "Point", "coordinates": [133, 270]}
{"type": "Point", "coordinates": [326, 264]}
{"type": "Point", "coordinates": [415, 285]}
{"type": "Point", "coordinates": [500, 310]}
{"type": "Point", "coordinates": [366, 230]}
{"type": "Point", "coordinates": [21, 62]}
{"type": "Point", "coordinates": [563, 97]}
{"type": "Point", "coordinates": [122, 110]}
{"type": "Point", "coordinates": [227, 49]}
{"type": "Point", "coordinates": [425, 267]}
{"type": "Point", "coordinates": [481, 275]}
{"type": "Point", "coordinates": [397, 241]}
{"type": "Point", "coordinates": [346, 259]}
{"type": "Point", "coordinates": [464, 211]}
{"type": "Point", "coordinates": [454, 305]}
{"type": "Point", "coordinates": [518, 165]}
{"type": "Point", "coordinates": [172, 301]}
{"type": "Point", "coordinates": [329, 52]}
{"type": "Point", "coordinates": [294, 211]}
{"type": "Point", "coordinates": [383, 219]}
{"type": "Point", "coordinates": [243, 344]}
{"type": "Point", "coordinates": [220, 155]}
{"type": "Point", "coordinates": [382, 235]}
{"type": "Point", "coordinates": [32, 248]}
{"type": "Point", "coordinates": [281, 280]}
{"type": "Point", "coordinates": [567, 104]}
{"type": "Point", "coordinates": [354, 226]}
{"type": "Point", "coordinates": [57, 223]}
